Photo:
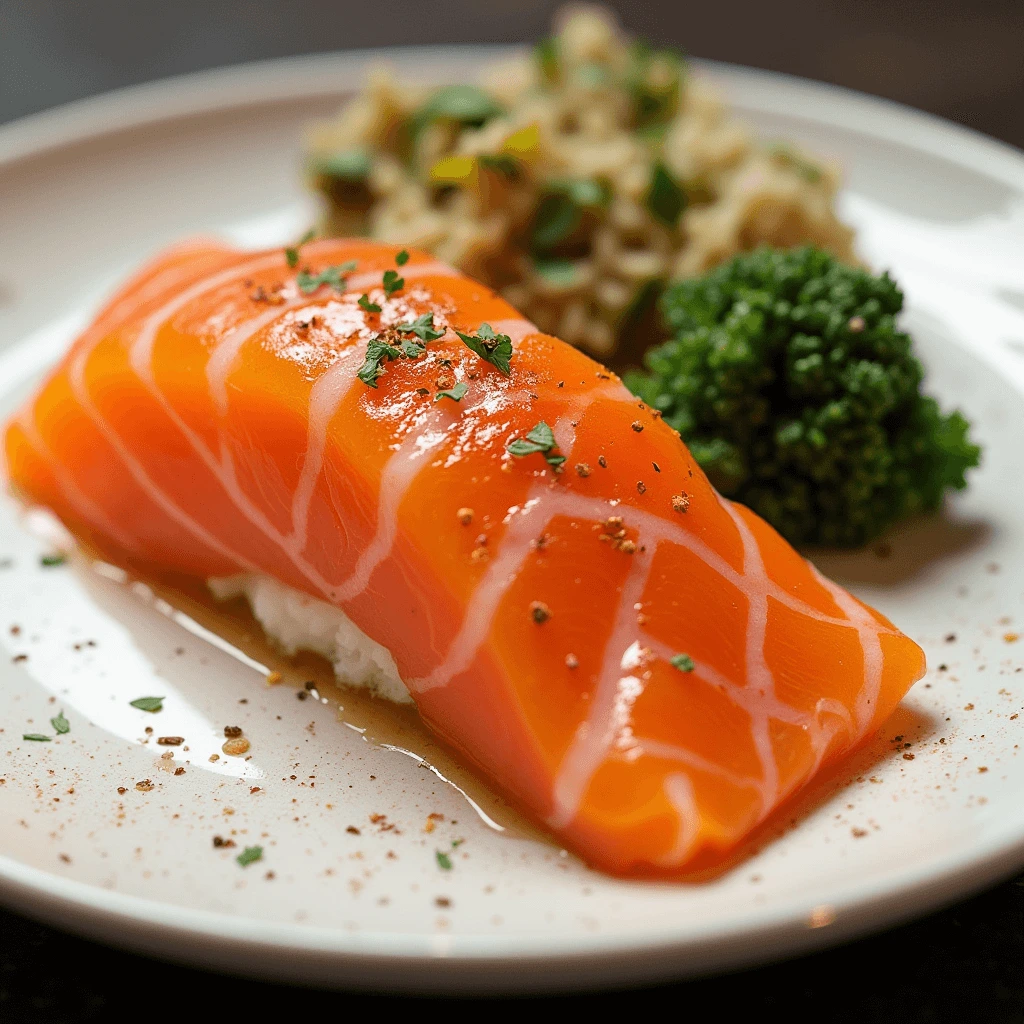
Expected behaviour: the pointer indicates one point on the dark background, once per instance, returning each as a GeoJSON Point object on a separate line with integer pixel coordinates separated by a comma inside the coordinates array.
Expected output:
{"type": "Point", "coordinates": [962, 60]}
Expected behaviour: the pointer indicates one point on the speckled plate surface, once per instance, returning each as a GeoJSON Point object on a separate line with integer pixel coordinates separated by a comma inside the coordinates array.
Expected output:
{"type": "Point", "coordinates": [105, 831]}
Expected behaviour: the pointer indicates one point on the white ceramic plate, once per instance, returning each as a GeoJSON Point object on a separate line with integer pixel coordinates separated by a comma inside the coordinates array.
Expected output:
{"type": "Point", "coordinates": [90, 189]}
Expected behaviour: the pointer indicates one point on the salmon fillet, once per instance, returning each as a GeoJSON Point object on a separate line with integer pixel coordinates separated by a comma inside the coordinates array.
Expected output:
{"type": "Point", "coordinates": [643, 666]}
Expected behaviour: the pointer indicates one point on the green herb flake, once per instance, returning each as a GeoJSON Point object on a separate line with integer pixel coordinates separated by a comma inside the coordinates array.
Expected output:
{"type": "Point", "coordinates": [422, 327]}
{"type": "Point", "coordinates": [665, 199]}
{"type": "Point", "coordinates": [377, 352]}
{"type": "Point", "coordinates": [412, 349]}
{"type": "Point", "coordinates": [392, 282]}
{"type": "Point", "coordinates": [444, 862]}
{"type": "Point", "coordinates": [561, 210]}
{"type": "Point", "coordinates": [789, 157]}
{"type": "Point", "coordinates": [36, 737]}
{"type": "Point", "coordinates": [456, 394]}
{"type": "Point", "coordinates": [463, 104]}
{"type": "Point", "coordinates": [402, 258]}
{"type": "Point", "coordinates": [60, 724]}
{"type": "Point", "coordinates": [683, 662]}
{"type": "Point", "coordinates": [52, 561]}
{"type": "Point", "coordinates": [351, 166]}
{"type": "Point", "coordinates": [560, 273]}
{"type": "Point", "coordinates": [250, 855]}
{"type": "Point", "coordinates": [365, 303]}
{"type": "Point", "coordinates": [150, 704]}
{"type": "Point", "coordinates": [501, 163]}
{"type": "Point", "coordinates": [495, 349]}
{"type": "Point", "coordinates": [291, 253]}
{"type": "Point", "coordinates": [541, 439]}
{"type": "Point", "coordinates": [333, 276]}
{"type": "Point", "coordinates": [545, 53]}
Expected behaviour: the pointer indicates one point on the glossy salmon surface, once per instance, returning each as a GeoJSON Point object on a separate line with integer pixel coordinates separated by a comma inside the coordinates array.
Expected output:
{"type": "Point", "coordinates": [645, 667]}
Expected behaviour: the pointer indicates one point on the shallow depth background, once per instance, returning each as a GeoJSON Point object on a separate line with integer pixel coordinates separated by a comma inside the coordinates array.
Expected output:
{"type": "Point", "coordinates": [962, 60]}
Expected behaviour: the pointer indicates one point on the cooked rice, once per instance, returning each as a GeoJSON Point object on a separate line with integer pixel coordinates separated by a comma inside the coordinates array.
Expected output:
{"type": "Point", "coordinates": [583, 125]}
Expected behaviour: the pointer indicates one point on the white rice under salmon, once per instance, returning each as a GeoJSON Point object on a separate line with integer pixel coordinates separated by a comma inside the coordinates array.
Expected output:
{"type": "Point", "coordinates": [298, 622]}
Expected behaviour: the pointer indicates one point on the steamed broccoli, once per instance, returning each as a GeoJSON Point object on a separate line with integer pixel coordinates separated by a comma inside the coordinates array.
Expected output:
{"type": "Point", "coordinates": [799, 396]}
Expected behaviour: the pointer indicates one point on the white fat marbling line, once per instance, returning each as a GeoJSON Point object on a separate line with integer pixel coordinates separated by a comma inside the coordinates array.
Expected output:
{"type": "Point", "coordinates": [66, 482]}
{"type": "Point", "coordinates": [758, 674]}
{"type": "Point", "coordinates": [142, 347]}
{"type": "Point", "coordinates": [595, 735]}
{"type": "Point", "coordinates": [526, 525]}
{"type": "Point", "coordinates": [76, 377]}
{"type": "Point", "coordinates": [679, 790]}
{"type": "Point", "coordinates": [401, 469]}
{"type": "Point", "coordinates": [325, 398]}
{"type": "Point", "coordinates": [673, 752]}
{"type": "Point", "coordinates": [224, 357]}
{"type": "Point", "coordinates": [869, 631]}
{"type": "Point", "coordinates": [565, 426]}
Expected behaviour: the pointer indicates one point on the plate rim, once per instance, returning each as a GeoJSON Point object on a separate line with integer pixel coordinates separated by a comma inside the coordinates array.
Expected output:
{"type": "Point", "coordinates": [432, 963]}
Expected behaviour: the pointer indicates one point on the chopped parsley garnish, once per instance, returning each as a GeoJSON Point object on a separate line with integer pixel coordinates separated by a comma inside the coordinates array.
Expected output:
{"type": "Point", "coordinates": [561, 210]}
{"type": "Point", "coordinates": [787, 156]}
{"type": "Point", "coordinates": [665, 198]}
{"type": "Point", "coordinates": [464, 104]}
{"type": "Point", "coordinates": [333, 276]}
{"type": "Point", "coordinates": [392, 282]}
{"type": "Point", "coordinates": [402, 258]}
{"type": "Point", "coordinates": [38, 737]}
{"type": "Point", "coordinates": [545, 53]}
{"type": "Point", "coordinates": [60, 724]}
{"type": "Point", "coordinates": [52, 561]}
{"type": "Point", "coordinates": [422, 327]}
{"type": "Point", "coordinates": [557, 272]}
{"type": "Point", "coordinates": [377, 352]}
{"type": "Point", "coordinates": [683, 662]}
{"type": "Point", "coordinates": [456, 394]}
{"type": "Point", "coordinates": [150, 704]}
{"type": "Point", "coordinates": [541, 439]}
{"type": "Point", "coordinates": [351, 166]}
{"type": "Point", "coordinates": [412, 349]}
{"type": "Point", "coordinates": [291, 253]}
{"type": "Point", "coordinates": [444, 862]}
{"type": "Point", "coordinates": [370, 307]}
{"type": "Point", "coordinates": [250, 855]}
{"type": "Point", "coordinates": [502, 163]}
{"type": "Point", "coordinates": [496, 349]}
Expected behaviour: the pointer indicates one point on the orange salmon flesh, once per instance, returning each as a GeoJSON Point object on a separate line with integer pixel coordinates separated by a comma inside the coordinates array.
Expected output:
{"type": "Point", "coordinates": [211, 421]}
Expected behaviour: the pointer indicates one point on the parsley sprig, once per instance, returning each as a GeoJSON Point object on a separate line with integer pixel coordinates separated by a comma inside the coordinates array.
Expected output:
{"type": "Point", "coordinates": [422, 327]}
{"type": "Point", "coordinates": [250, 855]}
{"type": "Point", "coordinates": [456, 393]}
{"type": "Point", "coordinates": [683, 662]}
{"type": "Point", "coordinates": [377, 352]}
{"type": "Point", "coordinates": [496, 349]}
{"type": "Point", "coordinates": [365, 303]}
{"type": "Point", "coordinates": [291, 253]}
{"type": "Point", "coordinates": [541, 439]}
{"type": "Point", "coordinates": [333, 276]}
{"type": "Point", "coordinates": [150, 704]}
{"type": "Point", "coordinates": [60, 724]}
{"type": "Point", "coordinates": [392, 282]}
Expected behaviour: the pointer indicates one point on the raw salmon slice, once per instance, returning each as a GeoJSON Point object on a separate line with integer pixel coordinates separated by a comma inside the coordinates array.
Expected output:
{"type": "Point", "coordinates": [645, 667]}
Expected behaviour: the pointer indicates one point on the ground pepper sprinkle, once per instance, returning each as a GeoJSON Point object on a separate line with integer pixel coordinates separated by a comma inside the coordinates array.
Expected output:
{"type": "Point", "coordinates": [680, 502]}
{"type": "Point", "coordinates": [170, 741]}
{"type": "Point", "coordinates": [539, 612]}
{"type": "Point", "coordinates": [464, 516]}
{"type": "Point", "coordinates": [637, 426]}
{"type": "Point", "coordinates": [232, 731]}
{"type": "Point", "coordinates": [582, 469]}
{"type": "Point", "coordinates": [236, 747]}
{"type": "Point", "coordinates": [602, 462]}
{"type": "Point", "coordinates": [641, 489]}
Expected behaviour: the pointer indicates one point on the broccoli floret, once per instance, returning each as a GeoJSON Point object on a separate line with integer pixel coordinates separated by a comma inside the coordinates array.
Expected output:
{"type": "Point", "coordinates": [800, 397]}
